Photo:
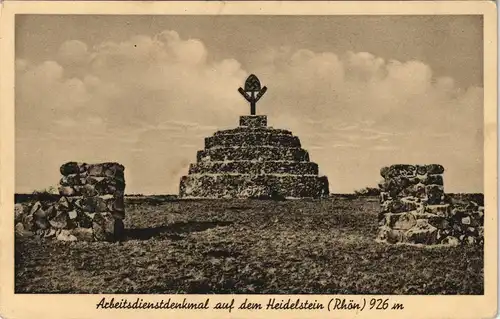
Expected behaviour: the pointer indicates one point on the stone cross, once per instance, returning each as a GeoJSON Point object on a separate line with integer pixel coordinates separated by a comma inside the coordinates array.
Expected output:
{"type": "Point", "coordinates": [252, 87]}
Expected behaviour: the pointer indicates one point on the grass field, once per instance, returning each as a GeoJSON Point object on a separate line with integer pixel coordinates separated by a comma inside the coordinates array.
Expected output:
{"type": "Point", "coordinates": [239, 246]}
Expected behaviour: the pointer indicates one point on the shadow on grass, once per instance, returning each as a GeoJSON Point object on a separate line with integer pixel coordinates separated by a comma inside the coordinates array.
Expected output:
{"type": "Point", "coordinates": [172, 231]}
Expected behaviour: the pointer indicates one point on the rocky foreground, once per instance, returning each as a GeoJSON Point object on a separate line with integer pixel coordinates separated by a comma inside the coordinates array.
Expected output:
{"type": "Point", "coordinates": [247, 246]}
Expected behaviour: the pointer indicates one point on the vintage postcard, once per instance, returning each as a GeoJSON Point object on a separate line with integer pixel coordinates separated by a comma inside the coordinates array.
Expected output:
{"type": "Point", "coordinates": [248, 159]}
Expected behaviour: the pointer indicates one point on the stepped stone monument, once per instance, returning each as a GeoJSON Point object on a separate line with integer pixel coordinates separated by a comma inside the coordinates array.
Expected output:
{"type": "Point", "coordinates": [415, 209]}
{"type": "Point", "coordinates": [253, 161]}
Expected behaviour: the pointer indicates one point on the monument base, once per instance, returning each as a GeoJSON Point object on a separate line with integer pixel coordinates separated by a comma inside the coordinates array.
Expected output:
{"type": "Point", "coordinates": [253, 186]}
{"type": "Point", "coordinates": [253, 120]}
{"type": "Point", "coordinates": [253, 161]}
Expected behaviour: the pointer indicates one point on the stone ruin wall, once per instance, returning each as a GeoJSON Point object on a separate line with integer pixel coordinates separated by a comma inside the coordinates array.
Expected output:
{"type": "Point", "coordinates": [416, 210]}
{"type": "Point", "coordinates": [91, 205]}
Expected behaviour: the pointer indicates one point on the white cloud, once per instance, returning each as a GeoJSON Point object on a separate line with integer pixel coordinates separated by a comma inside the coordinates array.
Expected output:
{"type": "Point", "coordinates": [73, 52]}
{"type": "Point", "coordinates": [148, 101]}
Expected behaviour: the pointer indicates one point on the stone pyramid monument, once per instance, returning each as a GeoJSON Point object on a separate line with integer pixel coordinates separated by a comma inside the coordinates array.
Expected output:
{"type": "Point", "coordinates": [253, 161]}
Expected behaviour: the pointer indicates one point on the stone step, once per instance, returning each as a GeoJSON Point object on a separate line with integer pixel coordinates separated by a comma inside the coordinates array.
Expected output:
{"type": "Point", "coordinates": [255, 167]}
{"type": "Point", "coordinates": [83, 179]}
{"type": "Point", "coordinates": [408, 170]}
{"type": "Point", "coordinates": [110, 169]}
{"type": "Point", "coordinates": [253, 153]}
{"type": "Point", "coordinates": [250, 186]}
{"type": "Point", "coordinates": [250, 138]}
{"type": "Point", "coordinates": [90, 190]}
{"type": "Point", "coordinates": [253, 130]}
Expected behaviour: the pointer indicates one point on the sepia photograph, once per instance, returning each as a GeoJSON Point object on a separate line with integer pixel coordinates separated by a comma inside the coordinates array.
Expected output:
{"type": "Point", "coordinates": [250, 154]}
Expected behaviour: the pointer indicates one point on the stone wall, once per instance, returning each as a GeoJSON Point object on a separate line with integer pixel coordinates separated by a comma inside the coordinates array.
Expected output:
{"type": "Point", "coordinates": [415, 209]}
{"type": "Point", "coordinates": [91, 206]}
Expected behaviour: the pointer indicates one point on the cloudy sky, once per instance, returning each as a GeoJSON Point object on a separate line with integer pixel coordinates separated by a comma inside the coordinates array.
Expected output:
{"type": "Point", "coordinates": [361, 92]}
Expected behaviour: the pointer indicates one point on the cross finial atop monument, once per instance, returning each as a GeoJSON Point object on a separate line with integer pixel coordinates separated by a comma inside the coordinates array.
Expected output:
{"type": "Point", "coordinates": [252, 87]}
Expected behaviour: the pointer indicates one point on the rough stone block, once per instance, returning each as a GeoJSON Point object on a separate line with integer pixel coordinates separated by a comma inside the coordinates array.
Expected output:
{"type": "Point", "coordinates": [254, 153]}
{"type": "Point", "coordinates": [410, 170]}
{"type": "Point", "coordinates": [106, 228]}
{"type": "Point", "coordinates": [42, 223]}
{"type": "Point", "coordinates": [89, 190]}
{"type": "Point", "coordinates": [73, 168]}
{"type": "Point", "coordinates": [384, 196]}
{"type": "Point", "coordinates": [65, 235]}
{"type": "Point", "coordinates": [250, 139]}
{"type": "Point", "coordinates": [83, 234]}
{"type": "Point", "coordinates": [253, 120]}
{"type": "Point", "coordinates": [73, 180]}
{"type": "Point", "coordinates": [390, 235]}
{"type": "Point", "coordinates": [450, 241]}
{"type": "Point", "coordinates": [439, 222]}
{"type": "Point", "coordinates": [398, 170]}
{"type": "Point", "coordinates": [434, 194]}
{"type": "Point", "coordinates": [466, 220]}
{"type": "Point", "coordinates": [236, 186]}
{"type": "Point", "coordinates": [63, 205]}
{"type": "Point", "coordinates": [28, 222]}
{"type": "Point", "coordinates": [422, 233]}
{"type": "Point", "coordinates": [431, 179]}
{"type": "Point", "coordinates": [105, 203]}
{"type": "Point", "coordinates": [404, 221]}
{"type": "Point", "coordinates": [434, 169]}
{"type": "Point", "coordinates": [396, 206]}
{"type": "Point", "coordinates": [255, 168]}
{"type": "Point", "coordinates": [21, 231]}
{"type": "Point", "coordinates": [67, 191]}
{"type": "Point", "coordinates": [102, 183]}
{"type": "Point", "coordinates": [60, 221]}
{"type": "Point", "coordinates": [440, 210]}
{"type": "Point", "coordinates": [395, 185]}
{"type": "Point", "coordinates": [19, 212]}
{"type": "Point", "coordinates": [36, 206]}
{"type": "Point", "coordinates": [109, 169]}
{"type": "Point", "coordinates": [412, 190]}
{"type": "Point", "coordinates": [265, 130]}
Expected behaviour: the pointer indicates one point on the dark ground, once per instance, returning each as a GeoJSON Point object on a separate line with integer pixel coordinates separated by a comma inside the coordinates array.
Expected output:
{"type": "Point", "coordinates": [238, 246]}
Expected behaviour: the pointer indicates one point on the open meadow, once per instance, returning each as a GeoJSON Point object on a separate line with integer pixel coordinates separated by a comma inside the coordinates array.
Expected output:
{"type": "Point", "coordinates": [247, 246]}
